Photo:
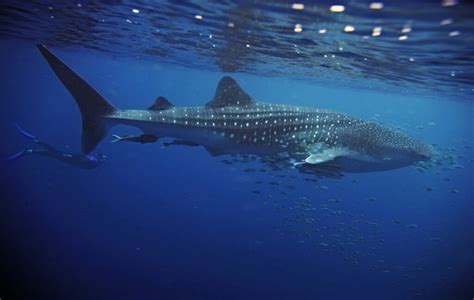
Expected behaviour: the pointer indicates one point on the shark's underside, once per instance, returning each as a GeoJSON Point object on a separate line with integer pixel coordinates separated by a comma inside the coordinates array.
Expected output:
{"type": "Point", "coordinates": [233, 123]}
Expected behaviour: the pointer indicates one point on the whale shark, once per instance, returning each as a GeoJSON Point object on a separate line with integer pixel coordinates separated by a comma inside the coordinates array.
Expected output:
{"type": "Point", "coordinates": [233, 123]}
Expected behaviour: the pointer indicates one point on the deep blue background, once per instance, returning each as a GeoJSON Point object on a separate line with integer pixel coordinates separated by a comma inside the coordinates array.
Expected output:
{"type": "Point", "coordinates": [177, 223]}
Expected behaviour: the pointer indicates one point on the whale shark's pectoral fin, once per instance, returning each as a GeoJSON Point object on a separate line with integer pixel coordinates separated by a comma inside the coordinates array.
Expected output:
{"type": "Point", "coordinates": [325, 155]}
{"type": "Point", "coordinates": [178, 142]}
{"type": "Point", "coordinates": [142, 139]}
{"type": "Point", "coordinates": [215, 151]}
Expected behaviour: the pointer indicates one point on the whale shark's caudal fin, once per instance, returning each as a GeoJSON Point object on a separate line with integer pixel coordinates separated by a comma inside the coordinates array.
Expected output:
{"type": "Point", "coordinates": [92, 105]}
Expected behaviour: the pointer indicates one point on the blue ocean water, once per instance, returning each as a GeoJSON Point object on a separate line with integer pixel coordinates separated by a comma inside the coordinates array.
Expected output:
{"type": "Point", "coordinates": [178, 223]}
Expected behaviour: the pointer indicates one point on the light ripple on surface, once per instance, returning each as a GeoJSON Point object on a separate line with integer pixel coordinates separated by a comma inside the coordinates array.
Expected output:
{"type": "Point", "coordinates": [417, 49]}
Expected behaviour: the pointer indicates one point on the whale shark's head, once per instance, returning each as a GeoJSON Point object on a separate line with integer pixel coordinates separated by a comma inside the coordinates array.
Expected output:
{"type": "Point", "coordinates": [379, 148]}
{"type": "Point", "coordinates": [395, 149]}
{"type": "Point", "coordinates": [406, 151]}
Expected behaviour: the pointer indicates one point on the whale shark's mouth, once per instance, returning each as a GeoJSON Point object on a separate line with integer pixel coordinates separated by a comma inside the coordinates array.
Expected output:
{"type": "Point", "coordinates": [426, 152]}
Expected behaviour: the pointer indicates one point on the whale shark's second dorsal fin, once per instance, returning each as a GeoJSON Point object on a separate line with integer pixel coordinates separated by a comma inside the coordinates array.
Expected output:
{"type": "Point", "coordinates": [229, 93]}
{"type": "Point", "coordinates": [161, 103]}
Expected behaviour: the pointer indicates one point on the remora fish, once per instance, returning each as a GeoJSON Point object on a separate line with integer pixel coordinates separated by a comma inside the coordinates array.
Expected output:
{"type": "Point", "coordinates": [233, 123]}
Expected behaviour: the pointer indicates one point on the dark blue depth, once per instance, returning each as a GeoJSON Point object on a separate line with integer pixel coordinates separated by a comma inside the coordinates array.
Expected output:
{"type": "Point", "coordinates": [176, 223]}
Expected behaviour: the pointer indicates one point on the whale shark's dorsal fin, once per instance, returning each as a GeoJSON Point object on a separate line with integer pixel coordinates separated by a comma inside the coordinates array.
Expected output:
{"type": "Point", "coordinates": [161, 103]}
{"type": "Point", "coordinates": [229, 93]}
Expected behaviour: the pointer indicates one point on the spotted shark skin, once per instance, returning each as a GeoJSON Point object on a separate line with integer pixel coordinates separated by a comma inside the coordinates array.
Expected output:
{"type": "Point", "coordinates": [269, 129]}
{"type": "Point", "coordinates": [234, 123]}
{"type": "Point", "coordinates": [259, 128]}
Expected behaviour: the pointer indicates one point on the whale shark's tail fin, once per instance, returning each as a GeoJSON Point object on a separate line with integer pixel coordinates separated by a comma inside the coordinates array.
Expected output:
{"type": "Point", "coordinates": [92, 105]}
